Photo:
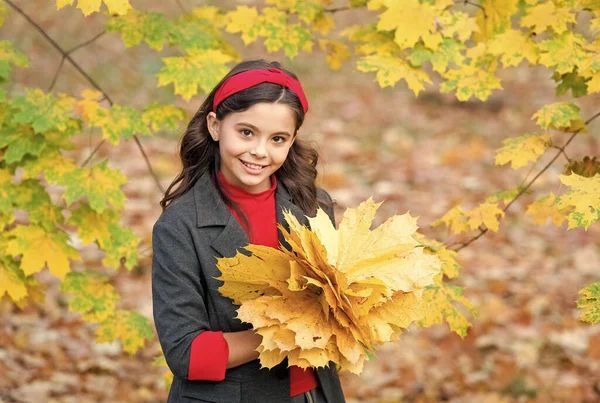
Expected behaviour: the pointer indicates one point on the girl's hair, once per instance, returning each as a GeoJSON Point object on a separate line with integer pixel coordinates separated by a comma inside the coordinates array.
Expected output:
{"type": "Point", "coordinates": [199, 153]}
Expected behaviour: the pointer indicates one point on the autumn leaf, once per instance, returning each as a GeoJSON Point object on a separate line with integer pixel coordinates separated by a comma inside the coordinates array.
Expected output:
{"type": "Point", "coordinates": [99, 184]}
{"type": "Point", "coordinates": [391, 69]}
{"type": "Point", "coordinates": [137, 26]}
{"type": "Point", "coordinates": [455, 219]}
{"type": "Point", "coordinates": [335, 52]}
{"type": "Point", "coordinates": [188, 73]}
{"type": "Point", "coordinates": [519, 151]}
{"type": "Point", "coordinates": [93, 296]}
{"type": "Point", "coordinates": [485, 213]}
{"type": "Point", "coordinates": [12, 280]}
{"type": "Point", "coordinates": [91, 6]}
{"type": "Point", "coordinates": [131, 328]}
{"type": "Point", "coordinates": [545, 207]}
{"type": "Point", "coordinates": [38, 247]}
{"type": "Point", "coordinates": [584, 196]}
{"type": "Point", "coordinates": [559, 116]}
{"type": "Point", "coordinates": [546, 15]}
{"type": "Point", "coordinates": [444, 297]}
{"type": "Point", "coordinates": [10, 56]}
{"type": "Point", "coordinates": [159, 116]}
{"type": "Point", "coordinates": [334, 295]}
{"type": "Point", "coordinates": [589, 301]}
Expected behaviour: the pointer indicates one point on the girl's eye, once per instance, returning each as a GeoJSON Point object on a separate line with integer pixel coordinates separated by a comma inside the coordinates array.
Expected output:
{"type": "Point", "coordinates": [278, 139]}
{"type": "Point", "coordinates": [246, 132]}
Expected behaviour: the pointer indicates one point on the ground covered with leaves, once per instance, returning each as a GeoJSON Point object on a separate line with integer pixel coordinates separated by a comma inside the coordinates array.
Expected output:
{"type": "Point", "coordinates": [421, 155]}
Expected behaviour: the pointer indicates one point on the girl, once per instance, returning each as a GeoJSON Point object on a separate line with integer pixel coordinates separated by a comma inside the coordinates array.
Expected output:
{"type": "Point", "coordinates": [242, 166]}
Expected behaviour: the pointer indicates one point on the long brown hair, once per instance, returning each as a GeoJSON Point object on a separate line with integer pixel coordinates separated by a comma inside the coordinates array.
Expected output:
{"type": "Point", "coordinates": [199, 153]}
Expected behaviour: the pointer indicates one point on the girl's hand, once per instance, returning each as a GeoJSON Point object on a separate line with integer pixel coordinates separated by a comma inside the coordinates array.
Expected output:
{"type": "Point", "coordinates": [242, 347]}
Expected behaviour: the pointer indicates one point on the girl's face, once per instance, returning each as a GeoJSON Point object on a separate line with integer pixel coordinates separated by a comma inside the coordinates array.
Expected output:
{"type": "Point", "coordinates": [254, 143]}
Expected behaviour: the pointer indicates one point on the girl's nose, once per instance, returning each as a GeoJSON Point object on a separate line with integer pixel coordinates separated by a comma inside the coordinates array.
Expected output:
{"type": "Point", "coordinates": [259, 151]}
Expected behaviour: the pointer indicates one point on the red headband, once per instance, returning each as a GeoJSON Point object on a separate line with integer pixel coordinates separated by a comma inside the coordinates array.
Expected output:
{"type": "Point", "coordinates": [250, 78]}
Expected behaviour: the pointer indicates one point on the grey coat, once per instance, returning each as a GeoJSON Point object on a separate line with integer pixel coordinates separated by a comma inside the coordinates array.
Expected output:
{"type": "Point", "coordinates": [187, 238]}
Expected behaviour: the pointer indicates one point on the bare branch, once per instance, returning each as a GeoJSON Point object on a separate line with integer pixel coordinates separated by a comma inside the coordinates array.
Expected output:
{"type": "Point", "coordinates": [86, 42]}
{"type": "Point", "coordinates": [335, 10]}
{"type": "Point", "coordinates": [62, 61]}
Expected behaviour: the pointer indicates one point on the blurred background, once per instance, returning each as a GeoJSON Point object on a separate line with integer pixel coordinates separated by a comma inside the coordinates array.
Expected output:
{"type": "Point", "coordinates": [420, 154]}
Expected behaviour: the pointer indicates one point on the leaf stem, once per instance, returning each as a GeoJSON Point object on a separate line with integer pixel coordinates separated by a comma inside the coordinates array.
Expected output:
{"type": "Point", "coordinates": [67, 56]}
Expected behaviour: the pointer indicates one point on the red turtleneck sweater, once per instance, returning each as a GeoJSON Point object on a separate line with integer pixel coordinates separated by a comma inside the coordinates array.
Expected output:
{"type": "Point", "coordinates": [209, 351]}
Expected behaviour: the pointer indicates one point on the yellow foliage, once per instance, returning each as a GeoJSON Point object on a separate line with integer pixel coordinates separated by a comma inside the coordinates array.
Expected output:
{"type": "Point", "coordinates": [519, 151]}
{"type": "Point", "coordinates": [38, 248]}
{"type": "Point", "coordinates": [334, 295]}
{"type": "Point", "coordinates": [543, 208]}
{"type": "Point", "coordinates": [455, 219]}
{"type": "Point", "coordinates": [485, 213]}
{"type": "Point", "coordinates": [391, 69]}
{"type": "Point", "coordinates": [89, 6]}
{"type": "Point", "coordinates": [584, 196]}
{"type": "Point", "coordinates": [335, 52]}
{"type": "Point", "coordinates": [546, 15]}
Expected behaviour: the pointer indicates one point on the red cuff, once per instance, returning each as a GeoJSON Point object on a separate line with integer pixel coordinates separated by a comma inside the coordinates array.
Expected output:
{"type": "Point", "coordinates": [208, 357]}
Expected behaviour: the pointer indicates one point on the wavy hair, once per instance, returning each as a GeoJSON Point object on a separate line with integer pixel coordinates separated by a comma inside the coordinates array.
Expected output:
{"type": "Point", "coordinates": [199, 153]}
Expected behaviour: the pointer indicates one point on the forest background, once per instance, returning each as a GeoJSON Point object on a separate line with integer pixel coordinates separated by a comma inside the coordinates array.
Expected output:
{"type": "Point", "coordinates": [422, 154]}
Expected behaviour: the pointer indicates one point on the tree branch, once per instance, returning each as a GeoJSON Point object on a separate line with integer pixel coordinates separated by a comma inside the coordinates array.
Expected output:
{"type": "Point", "coordinates": [335, 10]}
{"type": "Point", "coordinates": [67, 56]}
{"type": "Point", "coordinates": [523, 190]}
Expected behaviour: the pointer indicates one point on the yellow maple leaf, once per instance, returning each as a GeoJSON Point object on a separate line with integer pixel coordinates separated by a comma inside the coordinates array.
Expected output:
{"type": "Point", "coordinates": [514, 46]}
{"type": "Point", "coordinates": [485, 213]}
{"type": "Point", "coordinates": [584, 196]}
{"type": "Point", "coordinates": [242, 19]}
{"type": "Point", "coordinates": [12, 281]}
{"type": "Point", "coordinates": [38, 248]}
{"type": "Point", "coordinates": [331, 295]}
{"type": "Point", "coordinates": [544, 207]}
{"type": "Point", "coordinates": [391, 69]}
{"type": "Point", "coordinates": [494, 18]}
{"type": "Point", "coordinates": [519, 151]}
{"type": "Point", "coordinates": [547, 15]}
{"type": "Point", "coordinates": [455, 219]}
{"type": "Point", "coordinates": [412, 21]}
{"type": "Point", "coordinates": [120, 7]}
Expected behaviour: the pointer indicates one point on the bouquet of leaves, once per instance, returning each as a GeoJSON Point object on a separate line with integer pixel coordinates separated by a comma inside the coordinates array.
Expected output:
{"type": "Point", "coordinates": [333, 295]}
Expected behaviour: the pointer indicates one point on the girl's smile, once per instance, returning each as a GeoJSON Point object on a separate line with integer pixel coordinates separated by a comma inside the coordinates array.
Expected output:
{"type": "Point", "coordinates": [253, 144]}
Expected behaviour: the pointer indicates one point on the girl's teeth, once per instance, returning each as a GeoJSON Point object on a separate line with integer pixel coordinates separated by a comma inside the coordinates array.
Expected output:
{"type": "Point", "coordinates": [252, 166]}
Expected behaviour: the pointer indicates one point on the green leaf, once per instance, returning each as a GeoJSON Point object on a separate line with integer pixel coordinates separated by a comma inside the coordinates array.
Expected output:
{"type": "Point", "coordinates": [44, 111]}
{"type": "Point", "coordinates": [136, 26]}
{"type": "Point", "coordinates": [131, 327]}
{"type": "Point", "coordinates": [19, 141]}
{"type": "Point", "coordinates": [10, 56]}
{"type": "Point", "coordinates": [120, 122]}
{"type": "Point", "coordinates": [121, 245]}
{"type": "Point", "coordinates": [570, 81]}
{"type": "Point", "coordinates": [589, 301]}
{"type": "Point", "coordinates": [93, 296]}
{"type": "Point", "coordinates": [100, 184]}
{"type": "Point", "coordinates": [188, 73]}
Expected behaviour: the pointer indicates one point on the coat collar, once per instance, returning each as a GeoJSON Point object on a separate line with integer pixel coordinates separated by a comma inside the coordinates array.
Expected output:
{"type": "Point", "coordinates": [211, 211]}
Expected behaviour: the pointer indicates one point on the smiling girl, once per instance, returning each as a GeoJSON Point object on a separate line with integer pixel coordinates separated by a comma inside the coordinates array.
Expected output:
{"type": "Point", "coordinates": [243, 165]}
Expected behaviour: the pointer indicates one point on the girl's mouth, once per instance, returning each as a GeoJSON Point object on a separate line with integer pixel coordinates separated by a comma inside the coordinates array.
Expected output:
{"type": "Point", "coordinates": [253, 167]}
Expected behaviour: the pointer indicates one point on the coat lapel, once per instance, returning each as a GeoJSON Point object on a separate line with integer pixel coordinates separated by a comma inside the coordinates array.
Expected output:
{"type": "Point", "coordinates": [211, 211]}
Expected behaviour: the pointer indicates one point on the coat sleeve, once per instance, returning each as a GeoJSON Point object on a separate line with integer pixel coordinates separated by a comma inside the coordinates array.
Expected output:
{"type": "Point", "coordinates": [180, 314]}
